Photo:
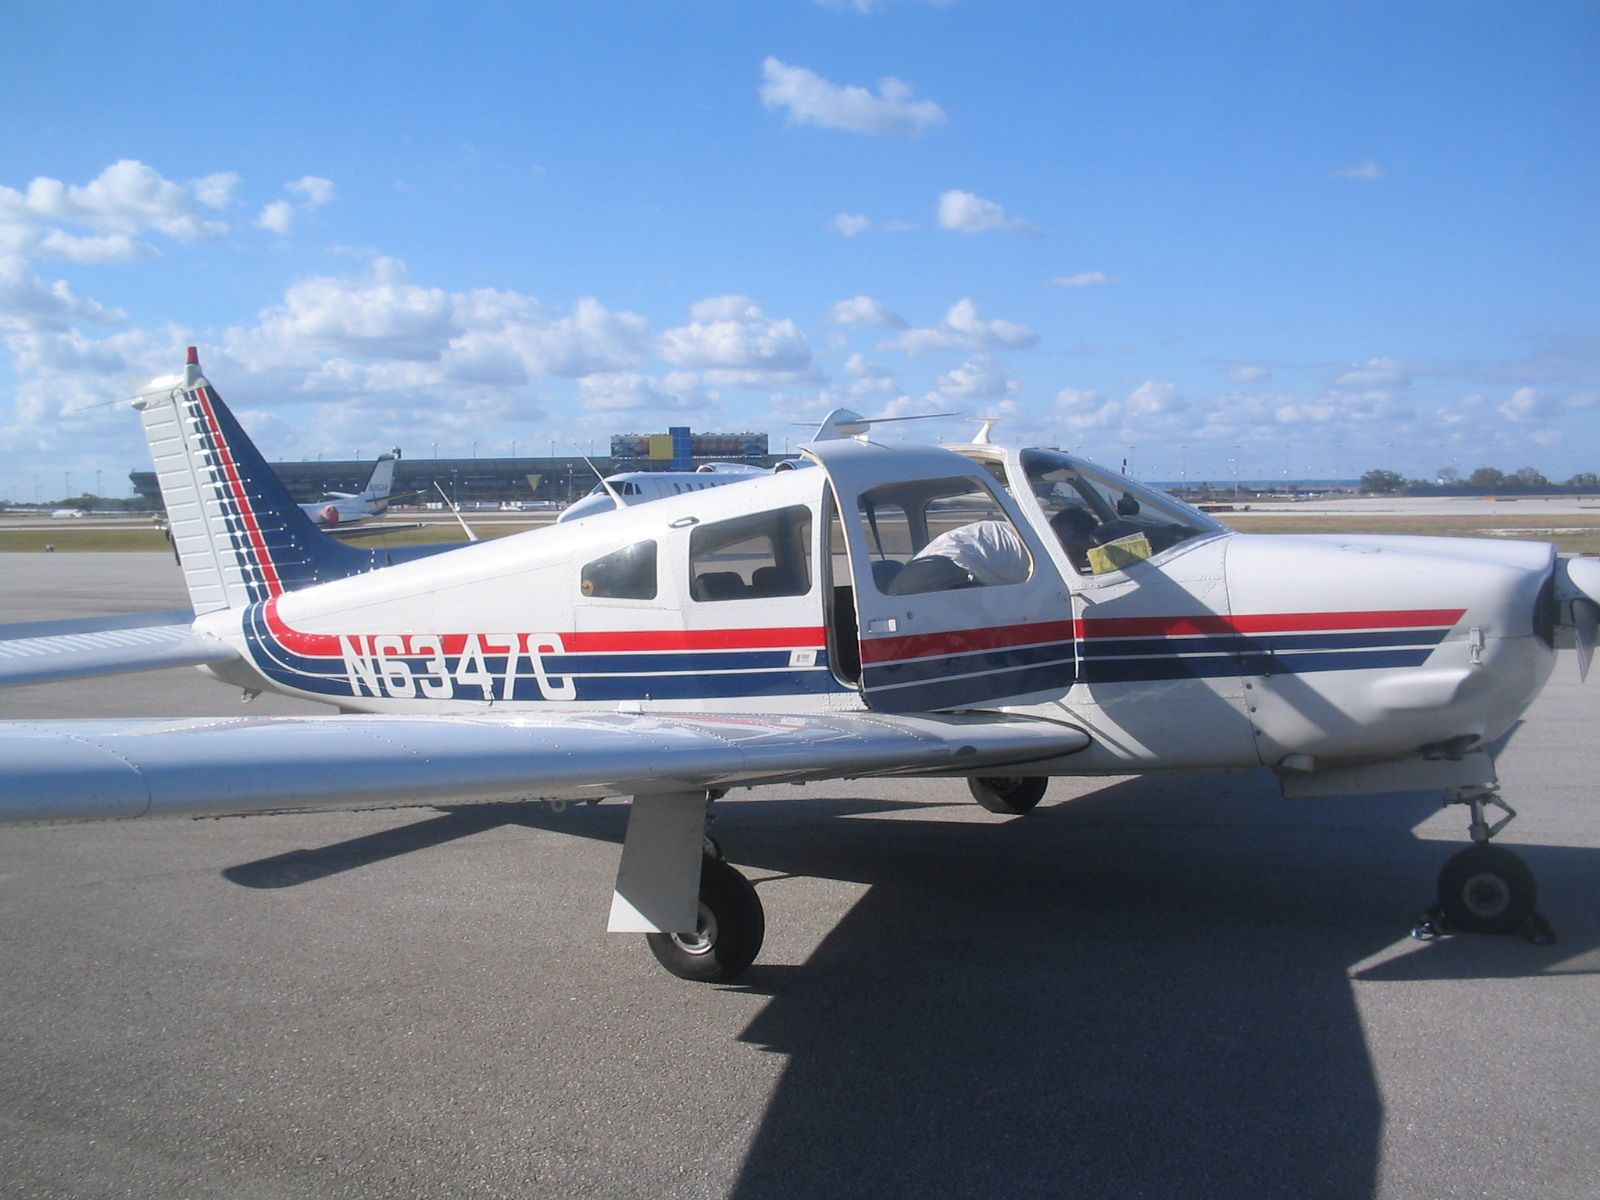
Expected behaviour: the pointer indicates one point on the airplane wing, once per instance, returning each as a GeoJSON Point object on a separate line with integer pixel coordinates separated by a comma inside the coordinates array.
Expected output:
{"type": "Point", "coordinates": [51, 651]}
{"type": "Point", "coordinates": [88, 769]}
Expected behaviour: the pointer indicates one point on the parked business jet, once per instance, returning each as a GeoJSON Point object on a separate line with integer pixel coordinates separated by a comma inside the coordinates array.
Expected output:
{"type": "Point", "coordinates": [1002, 615]}
{"type": "Point", "coordinates": [351, 508]}
{"type": "Point", "coordinates": [627, 488]}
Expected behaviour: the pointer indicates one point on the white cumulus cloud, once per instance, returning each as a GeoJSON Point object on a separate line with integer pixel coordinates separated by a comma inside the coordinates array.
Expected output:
{"type": "Point", "coordinates": [850, 224]}
{"type": "Point", "coordinates": [91, 248]}
{"type": "Point", "coordinates": [313, 190]}
{"type": "Point", "coordinates": [127, 197]}
{"type": "Point", "coordinates": [731, 335]}
{"type": "Point", "coordinates": [812, 100]}
{"type": "Point", "coordinates": [979, 378]}
{"type": "Point", "coordinates": [962, 328]}
{"type": "Point", "coordinates": [28, 303]}
{"type": "Point", "coordinates": [277, 217]}
{"type": "Point", "coordinates": [864, 310]}
{"type": "Point", "coordinates": [307, 192]}
{"type": "Point", "coordinates": [216, 191]}
{"type": "Point", "coordinates": [965, 212]}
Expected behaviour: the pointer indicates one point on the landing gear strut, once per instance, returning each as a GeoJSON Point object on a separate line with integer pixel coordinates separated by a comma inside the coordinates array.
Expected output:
{"type": "Point", "coordinates": [729, 929]}
{"type": "Point", "coordinates": [1484, 888]}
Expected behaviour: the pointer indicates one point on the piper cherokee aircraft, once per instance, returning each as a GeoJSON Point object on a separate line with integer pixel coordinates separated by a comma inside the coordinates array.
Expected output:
{"type": "Point", "coordinates": [975, 611]}
{"type": "Point", "coordinates": [351, 508]}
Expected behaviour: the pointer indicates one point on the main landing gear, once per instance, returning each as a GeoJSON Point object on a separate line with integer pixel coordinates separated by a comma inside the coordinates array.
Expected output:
{"type": "Point", "coordinates": [729, 927]}
{"type": "Point", "coordinates": [1010, 795]}
{"type": "Point", "coordinates": [1486, 888]}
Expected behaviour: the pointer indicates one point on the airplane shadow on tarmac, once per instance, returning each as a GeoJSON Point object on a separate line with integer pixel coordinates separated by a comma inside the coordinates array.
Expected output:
{"type": "Point", "coordinates": [1145, 991]}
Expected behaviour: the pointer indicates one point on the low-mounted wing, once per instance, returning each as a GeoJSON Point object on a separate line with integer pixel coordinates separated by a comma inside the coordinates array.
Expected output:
{"type": "Point", "coordinates": [52, 651]}
{"type": "Point", "coordinates": [210, 767]}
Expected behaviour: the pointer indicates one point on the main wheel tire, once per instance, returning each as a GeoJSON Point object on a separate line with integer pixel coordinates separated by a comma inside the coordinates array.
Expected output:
{"type": "Point", "coordinates": [1008, 794]}
{"type": "Point", "coordinates": [1485, 889]}
{"type": "Point", "coordinates": [728, 932]}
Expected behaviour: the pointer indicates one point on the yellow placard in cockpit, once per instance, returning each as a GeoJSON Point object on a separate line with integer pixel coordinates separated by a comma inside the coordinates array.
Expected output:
{"type": "Point", "coordinates": [1123, 552]}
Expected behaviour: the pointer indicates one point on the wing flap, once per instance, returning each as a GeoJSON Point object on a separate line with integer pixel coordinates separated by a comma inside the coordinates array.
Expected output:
{"type": "Point", "coordinates": [52, 651]}
{"type": "Point", "coordinates": [99, 769]}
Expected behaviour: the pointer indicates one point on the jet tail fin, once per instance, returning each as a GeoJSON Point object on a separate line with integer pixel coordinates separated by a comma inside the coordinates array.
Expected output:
{"type": "Point", "coordinates": [376, 493]}
{"type": "Point", "coordinates": [239, 535]}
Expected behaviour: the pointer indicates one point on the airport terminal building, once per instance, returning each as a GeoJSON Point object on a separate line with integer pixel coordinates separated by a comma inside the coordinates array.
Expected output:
{"type": "Point", "coordinates": [478, 482]}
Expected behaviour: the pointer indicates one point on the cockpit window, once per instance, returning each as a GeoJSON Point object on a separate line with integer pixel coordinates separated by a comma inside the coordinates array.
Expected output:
{"type": "Point", "coordinates": [1104, 521]}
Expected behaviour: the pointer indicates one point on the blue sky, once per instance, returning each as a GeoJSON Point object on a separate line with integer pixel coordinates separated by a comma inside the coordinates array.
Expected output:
{"type": "Point", "coordinates": [1312, 238]}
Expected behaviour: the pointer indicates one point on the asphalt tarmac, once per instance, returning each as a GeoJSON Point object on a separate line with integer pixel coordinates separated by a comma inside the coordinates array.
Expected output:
{"type": "Point", "coordinates": [1172, 986]}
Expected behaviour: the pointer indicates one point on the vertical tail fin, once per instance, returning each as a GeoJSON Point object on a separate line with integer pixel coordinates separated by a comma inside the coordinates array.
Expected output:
{"type": "Point", "coordinates": [239, 535]}
{"type": "Point", "coordinates": [376, 493]}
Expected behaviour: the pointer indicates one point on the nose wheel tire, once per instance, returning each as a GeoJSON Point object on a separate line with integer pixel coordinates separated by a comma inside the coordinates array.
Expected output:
{"type": "Point", "coordinates": [1011, 795]}
{"type": "Point", "coordinates": [1486, 889]}
{"type": "Point", "coordinates": [728, 931]}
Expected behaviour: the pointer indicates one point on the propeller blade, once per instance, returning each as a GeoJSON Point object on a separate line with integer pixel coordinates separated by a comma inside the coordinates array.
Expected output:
{"type": "Point", "coordinates": [1585, 621]}
{"type": "Point", "coordinates": [1578, 605]}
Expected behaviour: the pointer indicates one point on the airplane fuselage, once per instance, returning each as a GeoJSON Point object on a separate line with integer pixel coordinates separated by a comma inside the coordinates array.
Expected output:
{"type": "Point", "coordinates": [1217, 650]}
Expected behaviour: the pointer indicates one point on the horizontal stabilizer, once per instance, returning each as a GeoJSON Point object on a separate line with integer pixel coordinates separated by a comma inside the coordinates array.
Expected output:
{"type": "Point", "coordinates": [51, 651]}
{"type": "Point", "coordinates": [231, 766]}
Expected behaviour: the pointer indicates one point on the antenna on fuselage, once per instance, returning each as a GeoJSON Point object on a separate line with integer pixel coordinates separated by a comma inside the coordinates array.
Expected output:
{"type": "Point", "coordinates": [616, 496]}
{"type": "Point", "coordinates": [450, 504]}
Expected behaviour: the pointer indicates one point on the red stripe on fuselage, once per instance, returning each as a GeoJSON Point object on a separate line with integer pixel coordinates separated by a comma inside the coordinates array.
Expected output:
{"type": "Point", "coordinates": [327, 645]}
{"type": "Point", "coordinates": [1246, 623]}
{"type": "Point", "coordinates": [964, 641]}
{"type": "Point", "coordinates": [246, 513]}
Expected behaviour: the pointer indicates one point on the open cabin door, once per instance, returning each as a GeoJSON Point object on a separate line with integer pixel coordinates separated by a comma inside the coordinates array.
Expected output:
{"type": "Point", "coordinates": [957, 604]}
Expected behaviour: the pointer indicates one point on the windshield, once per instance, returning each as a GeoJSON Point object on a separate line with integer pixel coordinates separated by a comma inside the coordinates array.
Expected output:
{"type": "Point", "coordinates": [1104, 521]}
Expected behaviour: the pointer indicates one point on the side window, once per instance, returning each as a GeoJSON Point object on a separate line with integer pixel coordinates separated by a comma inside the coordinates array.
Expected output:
{"type": "Point", "coordinates": [626, 574]}
{"type": "Point", "coordinates": [748, 558]}
{"type": "Point", "coordinates": [931, 535]}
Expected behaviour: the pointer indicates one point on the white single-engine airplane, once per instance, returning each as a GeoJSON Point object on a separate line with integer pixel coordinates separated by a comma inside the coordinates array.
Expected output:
{"type": "Point", "coordinates": [999, 614]}
{"type": "Point", "coordinates": [351, 508]}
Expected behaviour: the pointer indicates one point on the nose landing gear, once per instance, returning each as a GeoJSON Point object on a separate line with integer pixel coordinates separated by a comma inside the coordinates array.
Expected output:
{"type": "Point", "coordinates": [1485, 888]}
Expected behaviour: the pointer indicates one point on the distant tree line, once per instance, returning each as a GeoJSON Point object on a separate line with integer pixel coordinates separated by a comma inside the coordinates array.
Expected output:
{"type": "Point", "coordinates": [1383, 482]}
